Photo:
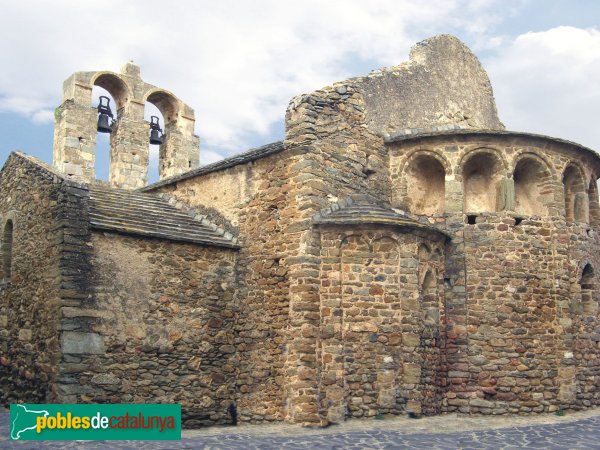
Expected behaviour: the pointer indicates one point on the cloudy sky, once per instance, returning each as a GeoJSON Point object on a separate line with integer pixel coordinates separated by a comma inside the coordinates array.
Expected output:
{"type": "Point", "coordinates": [239, 63]}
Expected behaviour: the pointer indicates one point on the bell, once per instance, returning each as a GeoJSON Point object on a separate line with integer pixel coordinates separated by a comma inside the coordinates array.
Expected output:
{"type": "Point", "coordinates": [156, 134]}
{"type": "Point", "coordinates": [104, 114]}
{"type": "Point", "coordinates": [103, 125]}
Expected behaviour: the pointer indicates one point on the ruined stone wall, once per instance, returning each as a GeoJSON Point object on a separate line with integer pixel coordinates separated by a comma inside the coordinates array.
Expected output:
{"type": "Point", "coordinates": [163, 314]}
{"type": "Point", "coordinates": [443, 83]}
{"type": "Point", "coordinates": [516, 340]}
{"type": "Point", "coordinates": [30, 297]}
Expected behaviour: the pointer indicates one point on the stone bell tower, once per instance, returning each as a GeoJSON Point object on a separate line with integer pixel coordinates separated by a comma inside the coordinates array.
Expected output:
{"type": "Point", "coordinates": [76, 127]}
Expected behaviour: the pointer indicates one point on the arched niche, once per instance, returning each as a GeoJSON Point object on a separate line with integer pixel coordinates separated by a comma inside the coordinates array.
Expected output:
{"type": "Point", "coordinates": [429, 284]}
{"type": "Point", "coordinates": [589, 290]}
{"type": "Point", "coordinates": [481, 175]}
{"type": "Point", "coordinates": [594, 206]}
{"type": "Point", "coordinates": [429, 293]}
{"type": "Point", "coordinates": [425, 185]}
{"type": "Point", "coordinates": [575, 195]}
{"type": "Point", "coordinates": [533, 187]}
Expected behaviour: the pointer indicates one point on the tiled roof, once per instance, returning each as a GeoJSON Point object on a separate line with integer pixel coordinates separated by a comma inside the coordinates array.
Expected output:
{"type": "Point", "coordinates": [149, 215]}
{"type": "Point", "coordinates": [364, 212]}
{"type": "Point", "coordinates": [250, 155]}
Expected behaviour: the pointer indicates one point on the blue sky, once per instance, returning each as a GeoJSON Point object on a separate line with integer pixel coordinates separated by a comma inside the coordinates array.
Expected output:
{"type": "Point", "coordinates": [239, 63]}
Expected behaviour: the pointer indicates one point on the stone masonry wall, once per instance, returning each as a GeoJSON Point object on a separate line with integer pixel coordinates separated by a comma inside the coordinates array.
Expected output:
{"type": "Point", "coordinates": [163, 314]}
{"type": "Point", "coordinates": [277, 198]}
{"type": "Point", "coordinates": [516, 338]}
{"type": "Point", "coordinates": [382, 309]}
{"type": "Point", "coordinates": [30, 298]}
{"type": "Point", "coordinates": [252, 197]}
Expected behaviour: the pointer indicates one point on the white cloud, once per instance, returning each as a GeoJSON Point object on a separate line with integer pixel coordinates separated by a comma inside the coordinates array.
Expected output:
{"type": "Point", "coordinates": [237, 63]}
{"type": "Point", "coordinates": [209, 157]}
{"type": "Point", "coordinates": [548, 82]}
{"type": "Point", "coordinates": [43, 116]}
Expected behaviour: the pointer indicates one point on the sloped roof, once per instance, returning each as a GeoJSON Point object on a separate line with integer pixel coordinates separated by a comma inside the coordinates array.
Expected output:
{"type": "Point", "coordinates": [149, 215]}
{"type": "Point", "coordinates": [364, 212]}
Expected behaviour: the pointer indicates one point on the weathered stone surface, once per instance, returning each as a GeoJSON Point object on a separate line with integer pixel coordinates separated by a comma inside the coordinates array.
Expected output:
{"type": "Point", "coordinates": [443, 83]}
{"type": "Point", "coordinates": [74, 342]}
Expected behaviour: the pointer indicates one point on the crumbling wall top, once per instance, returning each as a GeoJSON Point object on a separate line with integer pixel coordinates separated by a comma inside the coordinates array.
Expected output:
{"type": "Point", "coordinates": [442, 83]}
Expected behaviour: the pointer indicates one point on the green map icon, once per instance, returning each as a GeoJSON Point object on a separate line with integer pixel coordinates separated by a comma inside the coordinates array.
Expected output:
{"type": "Point", "coordinates": [23, 419]}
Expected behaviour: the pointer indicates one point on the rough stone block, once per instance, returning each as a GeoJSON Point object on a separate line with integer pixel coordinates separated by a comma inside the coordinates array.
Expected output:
{"type": "Point", "coordinates": [76, 342]}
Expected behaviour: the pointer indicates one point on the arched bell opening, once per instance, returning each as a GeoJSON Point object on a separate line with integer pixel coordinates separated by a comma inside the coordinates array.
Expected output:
{"type": "Point", "coordinates": [167, 104]}
{"type": "Point", "coordinates": [107, 113]}
{"type": "Point", "coordinates": [161, 112]}
{"type": "Point", "coordinates": [156, 138]}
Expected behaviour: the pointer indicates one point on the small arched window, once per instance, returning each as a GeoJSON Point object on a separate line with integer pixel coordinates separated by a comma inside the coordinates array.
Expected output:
{"type": "Point", "coordinates": [6, 250]}
{"type": "Point", "coordinates": [588, 290]}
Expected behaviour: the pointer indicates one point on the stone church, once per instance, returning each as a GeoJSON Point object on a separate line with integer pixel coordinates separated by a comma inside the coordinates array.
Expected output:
{"type": "Point", "coordinates": [399, 251]}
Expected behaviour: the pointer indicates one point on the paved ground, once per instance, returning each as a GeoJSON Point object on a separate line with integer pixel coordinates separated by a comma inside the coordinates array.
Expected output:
{"type": "Point", "coordinates": [574, 431]}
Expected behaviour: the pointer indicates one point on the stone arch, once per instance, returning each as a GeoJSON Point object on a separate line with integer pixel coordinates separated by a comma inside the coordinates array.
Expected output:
{"type": "Point", "coordinates": [167, 104]}
{"type": "Point", "coordinates": [533, 185]}
{"type": "Point", "coordinates": [589, 290]}
{"type": "Point", "coordinates": [575, 194]}
{"type": "Point", "coordinates": [495, 153]}
{"type": "Point", "coordinates": [115, 85]}
{"type": "Point", "coordinates": [6, 249]}
{"type": "Point", "coordinates": [425, 177]}
{"type": "Point", "coordinates": [527, 152]}
{"type": "Point", "coordinates": [594, 202]}
{"type": "Point", "coordinates": [482, 171]}
{"type": "Point", "coordinates": [426, 152]}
